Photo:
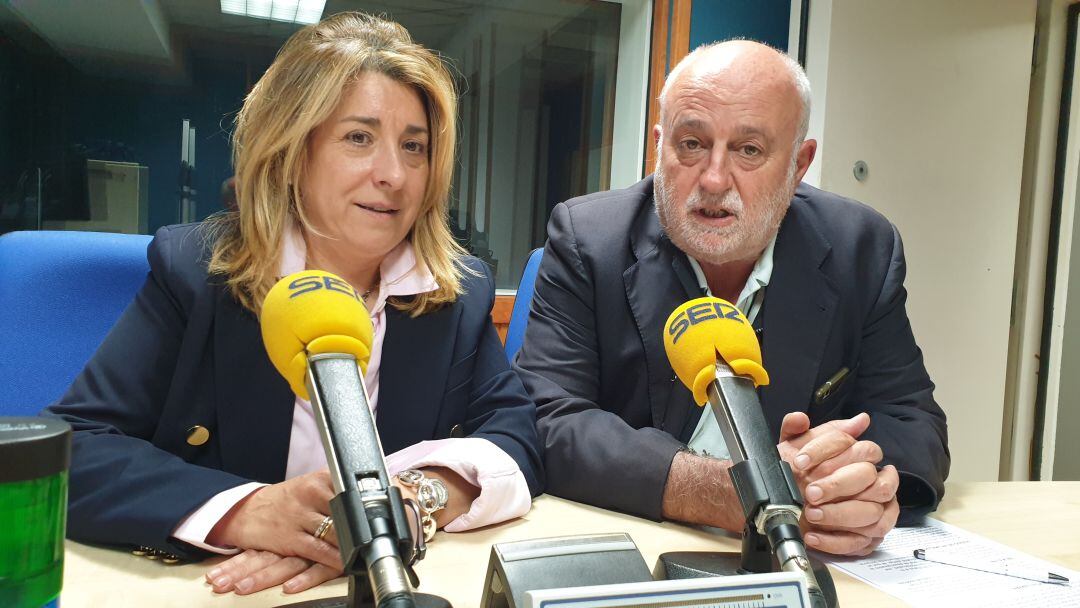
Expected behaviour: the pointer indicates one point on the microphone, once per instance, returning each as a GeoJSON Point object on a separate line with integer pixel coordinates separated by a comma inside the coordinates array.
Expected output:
{"type": "Point", "coordinates": [318, 335]}
{"type": "Point", "coordinates": [715, 353]}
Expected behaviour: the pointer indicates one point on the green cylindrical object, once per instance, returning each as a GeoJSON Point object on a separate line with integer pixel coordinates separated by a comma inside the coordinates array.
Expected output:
{"type": "Point", "coordinates": [34, 458]}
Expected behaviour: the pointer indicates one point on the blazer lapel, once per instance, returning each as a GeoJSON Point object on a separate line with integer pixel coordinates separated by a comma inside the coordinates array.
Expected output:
{"type": "Point", "coordinates": [658, 282]}
{"type": "Point", "coordinates": [798, 311]}
{"type": "Point", "coordinates": [255, 404]}
{"type": "Point", "coordinates": [415, 361]}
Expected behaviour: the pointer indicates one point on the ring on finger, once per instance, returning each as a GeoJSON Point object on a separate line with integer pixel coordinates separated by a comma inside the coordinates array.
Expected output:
{"type": "Point", "coordinates": [324, 526]}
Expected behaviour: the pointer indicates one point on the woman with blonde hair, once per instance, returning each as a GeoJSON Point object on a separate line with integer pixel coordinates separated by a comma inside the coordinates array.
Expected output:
{"type": "Point", "coordinates": [189, 443]}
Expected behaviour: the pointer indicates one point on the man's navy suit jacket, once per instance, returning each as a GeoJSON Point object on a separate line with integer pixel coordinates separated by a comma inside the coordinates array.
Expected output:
{"type": "Point", "coordinates": [186, 353]}
{"type": "Point", "coordinates": [612, 415]}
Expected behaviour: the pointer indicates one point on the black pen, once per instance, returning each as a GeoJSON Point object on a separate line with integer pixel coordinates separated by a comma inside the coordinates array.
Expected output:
{"type": "Point", "coordinates": [1005, 569]}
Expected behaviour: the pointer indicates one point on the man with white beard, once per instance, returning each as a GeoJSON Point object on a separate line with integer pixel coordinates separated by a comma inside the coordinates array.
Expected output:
{"type": "Point", "coordinates": [820, 277]}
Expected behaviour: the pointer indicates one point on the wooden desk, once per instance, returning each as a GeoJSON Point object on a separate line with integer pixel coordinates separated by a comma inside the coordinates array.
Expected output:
{"type": "Point", "coordinates": [1039, 518]}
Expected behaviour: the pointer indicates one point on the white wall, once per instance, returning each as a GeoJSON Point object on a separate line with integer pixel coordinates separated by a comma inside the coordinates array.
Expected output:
{"type": "Point", "coordinates": [933, 97]}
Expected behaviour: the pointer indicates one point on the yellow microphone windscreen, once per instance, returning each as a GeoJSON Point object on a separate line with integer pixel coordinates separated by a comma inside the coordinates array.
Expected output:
{"type": "Point", "coordinates": [309, 313]}
{"type": "Point", "coordinates": [699, 331]}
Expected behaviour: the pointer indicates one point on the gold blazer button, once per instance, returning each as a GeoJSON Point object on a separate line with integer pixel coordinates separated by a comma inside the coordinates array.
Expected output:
{"type": "Point", "coordinates": [197, 435]}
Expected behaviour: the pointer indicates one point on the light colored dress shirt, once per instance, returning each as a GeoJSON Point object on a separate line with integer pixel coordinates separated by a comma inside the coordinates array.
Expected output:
{"type": "Point", "coordinates": [707, 438]}
{"type": "Point", "coordinates": [504, 493]}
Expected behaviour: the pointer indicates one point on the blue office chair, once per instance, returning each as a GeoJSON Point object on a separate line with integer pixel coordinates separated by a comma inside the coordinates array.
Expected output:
{"type": "Point", "coordinates": [60, 293]}
{"type": "Point", "coordinates": [519, 317]}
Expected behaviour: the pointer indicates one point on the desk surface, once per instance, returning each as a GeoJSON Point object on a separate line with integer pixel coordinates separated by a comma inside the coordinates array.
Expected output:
{"type": "Point", "coordinates": [1039, 518]}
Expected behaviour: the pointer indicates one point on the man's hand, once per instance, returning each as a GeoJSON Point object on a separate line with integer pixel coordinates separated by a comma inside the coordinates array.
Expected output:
{"type": "Point", "coordinates": [253, 571]}
{"type": "Point", "coordinates": [850, 505]}
{"type": "Point", "coordinates": [281, 519]}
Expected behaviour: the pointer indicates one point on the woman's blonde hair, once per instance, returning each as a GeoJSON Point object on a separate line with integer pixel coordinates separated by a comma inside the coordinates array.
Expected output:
{"type": "Point", "coordinates": [297, 93]}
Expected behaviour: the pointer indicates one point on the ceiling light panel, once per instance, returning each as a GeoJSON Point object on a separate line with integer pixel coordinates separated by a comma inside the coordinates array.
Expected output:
{"type": "Point", "coordinates": [287, 11]}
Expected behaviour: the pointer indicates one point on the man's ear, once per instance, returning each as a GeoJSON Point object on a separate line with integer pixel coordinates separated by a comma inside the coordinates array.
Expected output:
{"type": "Point", "coordinates": [804, 157]}
{"type": "Point", "coordinates": [656, 133]}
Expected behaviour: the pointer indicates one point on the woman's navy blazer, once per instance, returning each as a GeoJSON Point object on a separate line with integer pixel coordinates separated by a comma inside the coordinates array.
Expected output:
{"type": "Point", "coordinates": [186, 353]}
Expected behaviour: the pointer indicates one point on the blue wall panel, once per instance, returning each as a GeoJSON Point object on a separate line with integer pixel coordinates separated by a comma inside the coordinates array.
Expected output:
{"type": "Point", "coordinates": [762, 20]}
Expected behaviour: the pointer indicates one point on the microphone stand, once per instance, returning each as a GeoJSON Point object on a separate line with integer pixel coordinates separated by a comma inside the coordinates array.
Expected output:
{"type": "Point", "coordinates": [373, 534]}
{"type": "Point", "coordinates": [768, 493]}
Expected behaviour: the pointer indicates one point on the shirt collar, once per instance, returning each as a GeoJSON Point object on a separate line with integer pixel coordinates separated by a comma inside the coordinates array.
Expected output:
{"type": "Point", "coordinates": [758, 279]}
{"type": "Point", "coordinates": [400, 273]}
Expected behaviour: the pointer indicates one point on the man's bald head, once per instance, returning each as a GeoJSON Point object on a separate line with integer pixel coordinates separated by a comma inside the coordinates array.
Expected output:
{"type": "Point", "coordinates": [747, 62]}
{"type": "Point", "coordinates": [730, 148]}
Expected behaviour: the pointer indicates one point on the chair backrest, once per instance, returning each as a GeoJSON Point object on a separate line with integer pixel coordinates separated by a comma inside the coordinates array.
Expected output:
{"type": "Point", "coordinates": [519, 317]}
{"type": "Point", "coordinates": [60, 293]}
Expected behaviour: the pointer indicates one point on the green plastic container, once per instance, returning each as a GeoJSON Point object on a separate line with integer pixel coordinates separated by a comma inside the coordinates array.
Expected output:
{"type": "Point", "coordinates": [34, 458]}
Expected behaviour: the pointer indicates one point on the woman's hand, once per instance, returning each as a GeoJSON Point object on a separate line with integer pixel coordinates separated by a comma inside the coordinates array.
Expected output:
{"type": "Point", "coordinates": [281, 519]}
{"type": "Point", "coordinates": [276, 526]}
{"type": "Point", "coordinates": [253, 571]}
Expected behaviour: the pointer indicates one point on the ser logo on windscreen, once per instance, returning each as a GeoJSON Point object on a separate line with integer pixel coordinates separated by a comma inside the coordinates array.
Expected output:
{"type": "Point", "coordinates": [700, 313]}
